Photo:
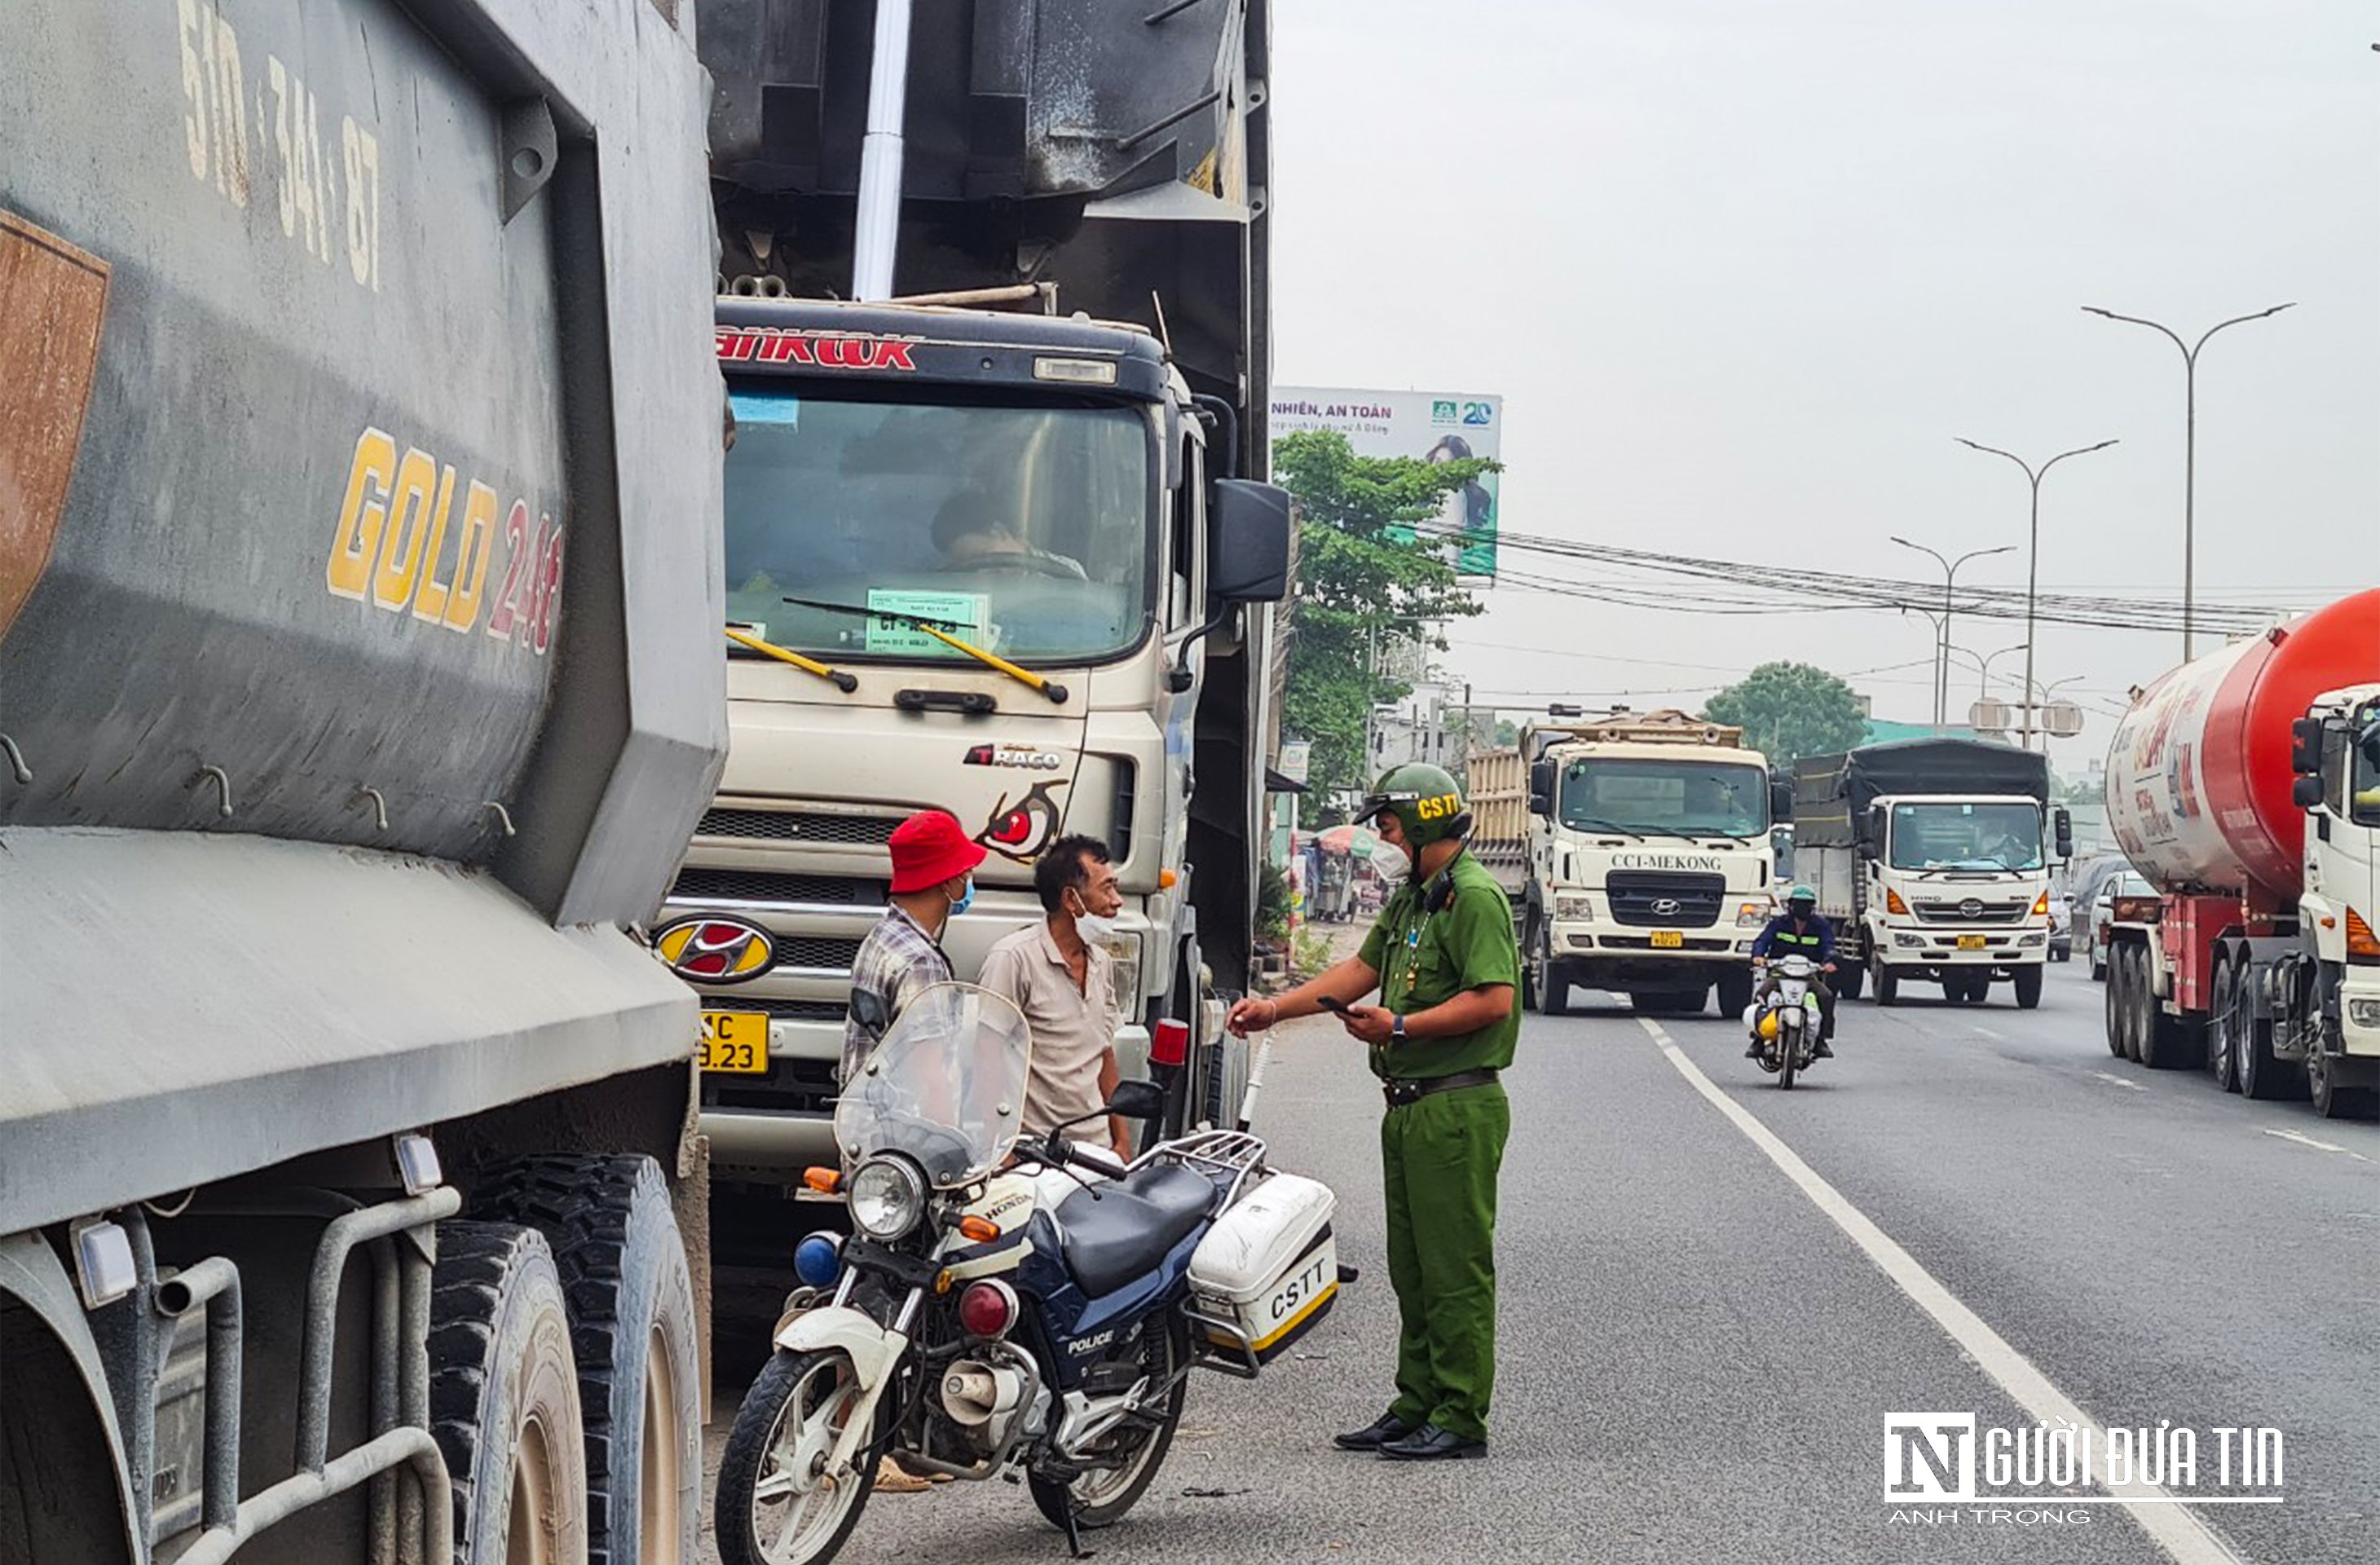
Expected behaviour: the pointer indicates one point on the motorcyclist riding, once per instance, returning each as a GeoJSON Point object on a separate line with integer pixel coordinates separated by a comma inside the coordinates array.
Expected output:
{"type": "Point", "coordinates": [1800, 930]}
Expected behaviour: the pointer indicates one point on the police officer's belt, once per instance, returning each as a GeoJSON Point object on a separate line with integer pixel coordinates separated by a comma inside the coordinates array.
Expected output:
{"type": "Point", "coordinates": [1401, 1093]}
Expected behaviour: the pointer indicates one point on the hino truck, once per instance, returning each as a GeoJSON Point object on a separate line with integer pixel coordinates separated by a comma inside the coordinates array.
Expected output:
{"type": "Point", "coordinates": [1636, 852]}
{"type": "Point", "coordinates": [995, 545]}
{"type": "Point", "coordinates": [2245, 787]}
{"type": "Point", "coordinates": [1932, 859]}
{"type": "Point", "coordinates": [359, 683]}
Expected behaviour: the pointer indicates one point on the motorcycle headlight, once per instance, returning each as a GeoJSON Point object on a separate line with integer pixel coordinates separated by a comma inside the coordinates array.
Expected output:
{"type": "Point", "coordinates": [1574, 909]}
{"type": "Point", "coordinates": [887, 1198]}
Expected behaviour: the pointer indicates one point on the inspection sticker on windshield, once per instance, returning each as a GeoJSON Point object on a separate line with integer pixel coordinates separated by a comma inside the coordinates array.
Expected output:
{"type": "Point", "coordinates": [967, 610]}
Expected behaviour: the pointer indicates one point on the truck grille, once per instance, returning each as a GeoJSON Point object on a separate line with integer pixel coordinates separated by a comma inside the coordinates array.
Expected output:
{"type": "Point", "coordinates": [784, 1009]}
{"type": "Point", "coordinates": [816, 950]}
{"type": "Point", "coordinates": [791, 1085]}
{"type": "Point", "coordinates": [1656, 898]}
{"type": "Point", "coordinates": [1971, 910]}
{"type": "Point", "coordinates": [798, 826]}
{"type": "Point", "coordinates": [696, 884]}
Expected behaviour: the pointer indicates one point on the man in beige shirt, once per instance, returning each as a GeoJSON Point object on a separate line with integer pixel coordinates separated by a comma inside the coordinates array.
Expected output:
{"type": "Point", "coordinates": [1060, 975]}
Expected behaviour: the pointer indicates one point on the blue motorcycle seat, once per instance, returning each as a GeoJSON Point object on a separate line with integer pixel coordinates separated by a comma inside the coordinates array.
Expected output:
{"type": "Point", "coordinates": [1112, 1233]}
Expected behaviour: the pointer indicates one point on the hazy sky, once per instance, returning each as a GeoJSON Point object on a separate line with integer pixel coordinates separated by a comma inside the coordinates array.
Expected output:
{"type": "Point", "coordinates": [1743, 269]}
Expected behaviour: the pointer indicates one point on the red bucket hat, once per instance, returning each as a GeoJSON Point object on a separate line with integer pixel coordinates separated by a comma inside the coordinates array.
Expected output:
{"type": "Point", "coordinates": [929, 848]}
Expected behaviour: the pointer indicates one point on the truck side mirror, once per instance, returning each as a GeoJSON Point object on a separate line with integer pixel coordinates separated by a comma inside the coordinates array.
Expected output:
{"type": "Point", "coordinates": [2063, 823]}
{"type": "Point", "coordinates": [1780, 799]}
{"type": "Point", "coordinates": [2306, 746]}
{"type": "Point", "coordinates": [2306, 793]}
{"type": "Point", "coordinates": [1870, 831]}
{"type": "Point", "coordinates": [1541, 787]}
{"type": "Point", "coordinates": [1247, 541]}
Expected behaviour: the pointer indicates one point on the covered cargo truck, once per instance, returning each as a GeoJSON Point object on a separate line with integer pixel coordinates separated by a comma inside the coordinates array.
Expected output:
{"type": "Point", "coordinates": [994, 544]}
{"type": "Point", "coordinates": [358, 686]}
{"type": "Point", "coordinates": [1932, 859]}
{"type": "Point", "coordinates": [1636, 852]}
{"type": "Point", "coordinates": [2245, 786]}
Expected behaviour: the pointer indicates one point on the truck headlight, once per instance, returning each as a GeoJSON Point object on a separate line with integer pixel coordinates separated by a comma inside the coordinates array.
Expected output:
{"type": "Point", "coordinates": [1574, 909]}
{"type": "Point", "coordinates": [1752, 914]}
{"type": "Point", "coordinates": [2037, 938]}
{"type": "Point", "coordinates": [1907, 941]}
{"type": "Point", "coordinates": [2363, 1012]}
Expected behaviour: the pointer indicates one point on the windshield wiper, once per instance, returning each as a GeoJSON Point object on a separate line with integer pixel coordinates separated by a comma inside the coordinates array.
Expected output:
{"type": "Point", "coordinates": [835, 676]}
{"type": "Point", "coordinates": [941, 631]}
{"type": "Point", "coordinates": [1597, 823]}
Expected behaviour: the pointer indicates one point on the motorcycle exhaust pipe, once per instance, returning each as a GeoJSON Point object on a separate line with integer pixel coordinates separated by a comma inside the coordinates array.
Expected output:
{"type": "Point", "coordinates": [975, 1393]}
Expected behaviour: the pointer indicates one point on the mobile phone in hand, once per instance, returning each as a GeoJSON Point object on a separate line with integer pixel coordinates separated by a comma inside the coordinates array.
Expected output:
{"type": "Point", "coordinates": [1331, 1003]}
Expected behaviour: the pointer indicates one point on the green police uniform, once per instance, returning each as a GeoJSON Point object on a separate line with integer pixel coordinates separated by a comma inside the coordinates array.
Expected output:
{"type": "Point", "coordinates": [1440, 1153]}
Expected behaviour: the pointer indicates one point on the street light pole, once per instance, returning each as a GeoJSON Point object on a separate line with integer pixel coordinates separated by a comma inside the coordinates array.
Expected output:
{"type": "Point", "coordinates": [2032, 569]}
{"type": "Point", "coordinates": [1942, 643]}
{"type": "Point", "coordinates": [2190, 452]}
{"type": "Point", "coordinates": [1984, 667]}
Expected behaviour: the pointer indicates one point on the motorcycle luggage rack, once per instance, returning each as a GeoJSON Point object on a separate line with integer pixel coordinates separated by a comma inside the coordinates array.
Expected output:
{"type": "Point", "coordinates": [1218, 1154]}
{"type": "Point", "coordinates": [1223, 1346]}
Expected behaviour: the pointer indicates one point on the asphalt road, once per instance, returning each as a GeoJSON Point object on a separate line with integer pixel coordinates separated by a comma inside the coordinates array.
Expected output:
{"type": "Point", "coordinates": [1705, 1319]}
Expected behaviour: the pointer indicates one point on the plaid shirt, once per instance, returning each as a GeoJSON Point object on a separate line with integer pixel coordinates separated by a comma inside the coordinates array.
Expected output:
{"type": "Point", "coordinates": [896, 961]}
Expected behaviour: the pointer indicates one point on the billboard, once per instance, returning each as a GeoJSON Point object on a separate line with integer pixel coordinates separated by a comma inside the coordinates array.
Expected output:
{"type": "Point", "coordinates": [1433, 425]}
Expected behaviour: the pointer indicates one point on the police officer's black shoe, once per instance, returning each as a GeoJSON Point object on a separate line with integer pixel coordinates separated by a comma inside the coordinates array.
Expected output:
{"type": "Point", "coordinates": [1752, 1049]}
{"type": "Point", "coordinates": [1375, 1435]}
{"type": "Point", "coordinates": [1431, 1443]}
{"type": "Point", "coordinates": [1820, 1050]}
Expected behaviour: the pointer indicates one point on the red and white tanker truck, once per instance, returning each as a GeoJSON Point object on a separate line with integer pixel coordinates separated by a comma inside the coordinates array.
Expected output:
{"type": "Point", "coordinates": [2245, 786]}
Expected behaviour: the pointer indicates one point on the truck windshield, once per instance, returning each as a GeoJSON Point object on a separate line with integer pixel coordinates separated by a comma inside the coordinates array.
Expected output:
{"type": "Point", "coordinates": [2364, 801]}
{"type": "Point", "coordinates": [1682, 799]}
{"type": "Point", "coordinates": [1966, 836]}
{"type": "Point", "coordinates": [1027, 532]}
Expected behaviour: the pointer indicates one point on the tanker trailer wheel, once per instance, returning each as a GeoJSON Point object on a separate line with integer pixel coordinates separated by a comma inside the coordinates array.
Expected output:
{"type": "Point", "coordinates": [2028, 981]}
{"type": "Point", "coordinates": [616, 1247]}
{"type": "Point", "coordinates": [504, 1397]}
{"type": "Point", "coordinates": [2111, 1013]}
{"type": "Point", "coordinates": [2232, 1011]}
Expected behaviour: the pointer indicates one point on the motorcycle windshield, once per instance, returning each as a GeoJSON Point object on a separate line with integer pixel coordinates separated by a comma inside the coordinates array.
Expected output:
{"type": "Point", "coordinates": [946, 1086]}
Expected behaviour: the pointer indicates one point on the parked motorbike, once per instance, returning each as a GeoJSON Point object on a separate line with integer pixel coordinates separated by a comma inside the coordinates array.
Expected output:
{"type": "Point", "coordinates": [1785, 1018]}
{"type": "Point", "coordinates": [1009, 1304]}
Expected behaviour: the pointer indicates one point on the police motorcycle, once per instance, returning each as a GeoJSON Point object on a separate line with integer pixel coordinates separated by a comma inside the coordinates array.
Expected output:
{"type": "Point", "coordinates": [1009, 1304]}
{"type": "Point", "coordinates": [1785, 1018]}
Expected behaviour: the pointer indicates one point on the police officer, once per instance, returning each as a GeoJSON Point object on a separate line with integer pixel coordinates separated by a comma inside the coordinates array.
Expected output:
{"type": "Point", "coordinates": [1444, 960]}
{"type": "Point", "coordinates": [1800, 929]}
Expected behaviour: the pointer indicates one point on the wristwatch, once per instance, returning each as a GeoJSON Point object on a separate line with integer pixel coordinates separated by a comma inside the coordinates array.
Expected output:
{"type": "Point", "coordinates": [1397, 1028]}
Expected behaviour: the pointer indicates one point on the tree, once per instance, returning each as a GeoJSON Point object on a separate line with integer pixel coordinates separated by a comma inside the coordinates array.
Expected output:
{"type": "Point", "coordinates": [1789, 711]}
{"type": "Point", "coordinates": [1362, 577]}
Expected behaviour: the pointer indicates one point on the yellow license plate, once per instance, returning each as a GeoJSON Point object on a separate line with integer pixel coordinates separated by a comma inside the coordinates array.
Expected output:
{"type": "Point", "coordinates": [1668, 939]}
{"type": "Point", "coordinates": [1971, 942]}
{"type": "Point", "coordinates": [735, 1041]}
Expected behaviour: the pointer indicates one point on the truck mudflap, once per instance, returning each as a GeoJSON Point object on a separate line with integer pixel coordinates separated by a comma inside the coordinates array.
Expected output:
{"type": "Point", "coordinates": [204, 1006]}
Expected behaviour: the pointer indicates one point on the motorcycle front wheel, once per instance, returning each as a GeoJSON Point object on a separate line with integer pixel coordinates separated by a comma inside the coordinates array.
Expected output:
{"type": "Point", "coordinates": [776, 1503]}
{"type": "Point", "coordinates": [1101, 1497]}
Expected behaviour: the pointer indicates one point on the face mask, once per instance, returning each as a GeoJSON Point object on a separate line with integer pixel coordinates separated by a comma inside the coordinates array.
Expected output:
{"type": "Point", "coordinates": [1391, 864]}
{"type": "Point", "coordinates": [1096, 929]}
{"type": "Point", "coordinates": [965, 899]}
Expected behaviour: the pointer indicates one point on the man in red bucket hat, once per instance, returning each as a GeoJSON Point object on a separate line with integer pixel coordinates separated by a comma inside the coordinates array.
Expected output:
{"type": "Point", "coordinates": [933, 878]}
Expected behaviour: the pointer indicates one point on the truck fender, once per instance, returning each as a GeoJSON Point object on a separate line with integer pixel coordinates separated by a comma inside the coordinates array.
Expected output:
{"type": "Point", "coordinates": [873, 1349]}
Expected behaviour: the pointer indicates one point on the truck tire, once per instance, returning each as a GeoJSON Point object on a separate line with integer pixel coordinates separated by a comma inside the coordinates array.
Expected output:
{"type": "Point", "coordinates": [1553, 991]}
{"type": "Point", "coordinates": [2261, 1077]}
{"type": "Point", "coordinates": [2111, 1014]}
{"type": "Point", "coordinates": [2227, 1020]}
{"type": "Point", "coordinates": [503, 1396]}
{"type": "Point", "coordinates": [614, 1236]}
{"type": "Point", "coordinates": [1886, 983]}
{"type": "Point", "coordinates": [2133, 971]}
{"type": "Point", "coordinates": [1735, 987]}
{"type": "Point", "coordinates": [1851, 981]}
{"type": "Point", "coordinates": [2028, 982]}
{"type": "Point", "coordinates": [2331, 1101]}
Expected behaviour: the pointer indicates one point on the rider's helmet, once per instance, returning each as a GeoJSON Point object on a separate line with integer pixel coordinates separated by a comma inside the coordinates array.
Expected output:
{"type": "Point", "coordinates": [1426, 799]}
{"type": "Point", "coordinates": [1802, 899]}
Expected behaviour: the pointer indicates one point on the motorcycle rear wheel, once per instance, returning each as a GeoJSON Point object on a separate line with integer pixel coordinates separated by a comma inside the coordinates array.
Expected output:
{"type": "Point", "coordinates": [766, 1489]}
{"type": "Point", "coordinates": [1101, 1497]}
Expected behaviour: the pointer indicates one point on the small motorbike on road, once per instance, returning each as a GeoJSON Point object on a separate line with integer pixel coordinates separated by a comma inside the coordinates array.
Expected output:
{"type": "Point", "coordinates": [1785, 1018]}
{"type": "Point", "coordinates": [1008, 1304]}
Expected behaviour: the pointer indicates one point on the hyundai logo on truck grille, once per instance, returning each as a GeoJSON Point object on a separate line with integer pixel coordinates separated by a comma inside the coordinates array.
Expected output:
{"type": "Point", "coordinates": [715, 951]}
{"type": "Point", "coordinates": [1664, 907]}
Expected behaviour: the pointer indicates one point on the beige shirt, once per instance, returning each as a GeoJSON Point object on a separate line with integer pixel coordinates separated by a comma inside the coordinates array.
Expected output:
{"type": "Point", "coordinates": [1073, 1029]}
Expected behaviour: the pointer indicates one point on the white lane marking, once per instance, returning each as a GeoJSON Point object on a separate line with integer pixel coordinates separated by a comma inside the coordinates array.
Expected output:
{"type": "Point", "coordinates": [2317, 1145]}
{"type": "Point", "coordinates": [2184, 1538]}
{"type": "Point", "coordinates": [1986, 1032]}
{"type": "Point", "coordinates": [2119, 1081]}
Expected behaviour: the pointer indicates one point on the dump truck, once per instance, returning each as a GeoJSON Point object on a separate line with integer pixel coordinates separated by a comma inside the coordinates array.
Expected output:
{"type": "Point", "coordinates": [1932, 859]}
{"type": "Point", "coordinates": [359, 689]}
{"type": "Point", "coordinates": [1636, 849]}
{"type": "Point", "coordinates": [2245, 787]}
{"type": "Point", "coordinates": [996, 541]}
